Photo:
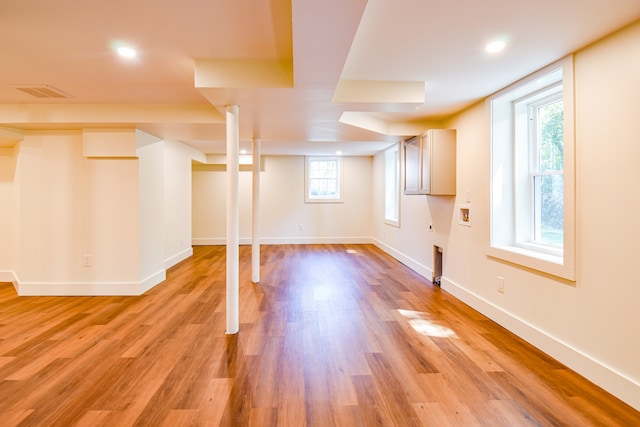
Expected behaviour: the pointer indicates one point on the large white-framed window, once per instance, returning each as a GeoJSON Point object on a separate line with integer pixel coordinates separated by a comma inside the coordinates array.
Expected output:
{"type": "Point", "coordinates": [533, 172]}
{"type": "Point", "coordinates": [392, 185]}
{"type": "Point", "coordinates": [323, 179]}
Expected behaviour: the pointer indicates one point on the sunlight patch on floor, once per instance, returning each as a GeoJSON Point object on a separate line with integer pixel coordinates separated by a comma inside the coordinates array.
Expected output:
{"type": "Point", "coordinates": [423, 326]}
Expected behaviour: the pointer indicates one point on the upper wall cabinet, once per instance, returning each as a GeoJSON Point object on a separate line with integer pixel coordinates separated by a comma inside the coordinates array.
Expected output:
{"type": "Point", "coordinates": [430, 163]}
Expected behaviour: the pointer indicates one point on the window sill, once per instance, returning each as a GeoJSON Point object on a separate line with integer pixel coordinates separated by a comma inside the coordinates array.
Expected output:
{"type": "Point", "coordinates": [543, 262]}
{"type": "Point", "coordinates": [392, 223]}
{"type": "Point", "coordinates": [541, 251]}
{"type": "Point", "coordinates": [323, 201]}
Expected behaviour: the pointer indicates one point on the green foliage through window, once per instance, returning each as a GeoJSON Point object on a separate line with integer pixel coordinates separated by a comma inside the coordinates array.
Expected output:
{"type": "Point", "coordinates": [548, 179]}
{"type": "Point", "coordinates": [323, 178]}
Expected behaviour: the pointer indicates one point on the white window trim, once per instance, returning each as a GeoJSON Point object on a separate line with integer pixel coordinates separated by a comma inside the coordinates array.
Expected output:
{"type": "Point", "coordinates": [307, 197]}
{"type": "Point", "coordinates": [397, 148]}
{"type": "Point", "coordinates": [502, 244]}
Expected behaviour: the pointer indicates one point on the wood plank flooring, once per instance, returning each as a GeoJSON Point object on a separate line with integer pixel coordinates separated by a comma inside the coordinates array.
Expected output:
{"type": "Point", "coordinates": [334, 335]}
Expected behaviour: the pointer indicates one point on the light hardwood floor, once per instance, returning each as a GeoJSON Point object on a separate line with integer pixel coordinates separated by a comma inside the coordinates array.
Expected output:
{"type": "Point", "coordinates": [334, 335]}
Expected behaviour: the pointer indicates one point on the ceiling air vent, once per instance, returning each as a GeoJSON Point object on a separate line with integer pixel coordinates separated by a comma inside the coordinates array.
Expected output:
{"type": "Point", "coordinates": [41, 91]}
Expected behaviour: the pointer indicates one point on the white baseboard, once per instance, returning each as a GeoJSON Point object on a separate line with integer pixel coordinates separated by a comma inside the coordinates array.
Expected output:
{"type": "Point", "coordinates": [90, 289]}
{"type": "Point", "coordinates": [7, 276]}
{"type": "Point", "coordinates": [421, 269]}
{"type": "Point", "coordinates": [315, 240]}
{"type": "Point", "coordinates": [151, 281]}
{"type": "Point", "coordinates": [221, 241]}
{"type": "Point", "coordinates": [616, 383]}
{"type": "Point", "coordinates": [208, 241]}
{"type": "Point", "coordinates": [173, 260]}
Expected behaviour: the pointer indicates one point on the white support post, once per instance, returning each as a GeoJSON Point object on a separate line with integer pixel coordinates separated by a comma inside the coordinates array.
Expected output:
{"type": "Point", "coordinates": [255, 220]}
{"type": "Point", "coordinates": [233, 219]}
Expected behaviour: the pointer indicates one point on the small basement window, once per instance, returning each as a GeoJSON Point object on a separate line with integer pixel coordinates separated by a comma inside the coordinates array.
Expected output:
{"type": "Point", "coordinates": [323, 179]}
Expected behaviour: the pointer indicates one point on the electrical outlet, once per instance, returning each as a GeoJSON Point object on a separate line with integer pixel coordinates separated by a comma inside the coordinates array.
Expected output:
{"type": "Point", "coordinates": [300, 227]}
{"type": "Point", "coordinates": [87, 260]}
{"type": "Point", "coordinates": [501, 284]}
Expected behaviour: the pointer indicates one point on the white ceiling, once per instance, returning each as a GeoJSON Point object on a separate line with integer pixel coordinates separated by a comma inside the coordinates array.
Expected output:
{"type": "Point", "coordinates": [389, 68]}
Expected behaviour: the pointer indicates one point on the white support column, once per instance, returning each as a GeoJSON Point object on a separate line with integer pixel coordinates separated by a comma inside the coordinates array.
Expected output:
{"type": "Point", "coordinates": [233, 220]}
{"type": "Point", "coordinates": [255, 220]}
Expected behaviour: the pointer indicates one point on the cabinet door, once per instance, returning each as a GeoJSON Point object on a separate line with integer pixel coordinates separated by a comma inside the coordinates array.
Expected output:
{"type": "Point", "coordinates": [438, 163]}
{"type": "Point", "coordinates": [425, 163]}
{"type": "Point", "coordinates": [412, 166]}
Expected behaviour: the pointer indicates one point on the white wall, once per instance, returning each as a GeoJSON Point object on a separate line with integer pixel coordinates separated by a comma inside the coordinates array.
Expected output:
{"type": "Point", "coordinates": [62, 210]}
{"type": "Point", "coordinates": [208, 206]}
{"type": "Point", "coordinates": [591, 325]}
{"type": "Point", "coordinates": [151, 182]}
{"type": "Point", "coordinates": [282, 207]}
{"type": "Point", "coordinates": [8, 216]}
{"type": "Point", "coordinates": [177, 201]}
{"type": "Point", "coordinates": [605, 308]}
{"type": "Point", "coordinates": [69, 207]}
{"type": "Point", "coordinates": [412, 242]}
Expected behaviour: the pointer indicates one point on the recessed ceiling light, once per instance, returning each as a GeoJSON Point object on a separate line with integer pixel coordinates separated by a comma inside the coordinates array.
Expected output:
{"type": "Point", "coordinates": [338, 152]}
{"type": "Point", "coordinates": [127, 52]}
{"type": "Point", "coordinates": [496, 46]}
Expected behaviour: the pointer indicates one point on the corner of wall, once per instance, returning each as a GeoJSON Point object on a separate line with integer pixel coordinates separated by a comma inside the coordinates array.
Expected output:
{"type": "Point", "coordinates": [175, 259]}
{"type": "Point", "coordinates": [9, 277]}
{"type": "Point", "coordinates": [421, 269]}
